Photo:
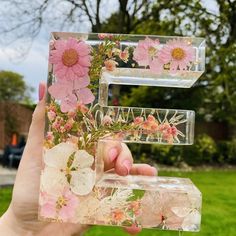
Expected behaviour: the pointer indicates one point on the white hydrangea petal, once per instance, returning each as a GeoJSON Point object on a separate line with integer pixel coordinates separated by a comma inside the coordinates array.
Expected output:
{"type": "Point", "coordinates": [82, 181]}
{"type": "Point", "coordinates": [53, 181]}
{"type": "Point", "coordinates": [57, 156]}
{"type": "Point", "coordinates": [83, 159]}
{"type": "Point", "coordinates": [87, 209]}
{"type": "Point", "coordinates": [191, 221]}
{"type": "Point", "coordinates": [181, 211]}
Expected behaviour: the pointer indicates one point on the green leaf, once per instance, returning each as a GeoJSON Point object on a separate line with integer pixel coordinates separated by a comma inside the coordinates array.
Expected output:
{"type": "Point", "coordinates": [137, 194]}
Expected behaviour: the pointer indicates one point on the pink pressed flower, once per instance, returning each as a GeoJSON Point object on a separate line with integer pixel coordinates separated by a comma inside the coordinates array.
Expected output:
{"type": "Point", "coordinates": [118, 216]}
{"type": "Point", "coordinates": [135, 206]}
{"type": "Point", "coordinates": [71, 114]}
{"type": "Point", "coordinates": [146, 51]}
{"type": "Point", "coordinates": [110, 65]}
{"type": "Point", "coordinates": [104, 35]}
{"type": "Point", "coordinates": [124, 55]}
{"type": "Point", "coordinates": [56, 125]}
{"type": "Point", "coordinates": [151, 124]}
{"type": "Point", "coordinates": [178, 53]}
{"type": "Point", "coordinates": [70, 59]}
{"type": "Point", "coordinates": [168, 132]}
{"type": "Point", "coordinates": [138, 120]}
{"type": "Point", "coordinates": [162, 214]}
{"type": "Point", "coordinates": [107, 120]}
{"type": "Point", "coordinates": [82, 108]}
{"type": "Point", "coordinates": [50, 136]}
{"type": "Point", "coordinates": [69, 124]}
{"type": "Point", "coordinates": [51, 115]}
{"type": "Point", "coordinates": [69, 92]}
{"type": "Point", "coordinates": [60, 207]}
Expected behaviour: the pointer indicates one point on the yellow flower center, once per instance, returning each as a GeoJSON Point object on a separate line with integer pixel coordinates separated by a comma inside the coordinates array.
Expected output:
{"type": "Point", "coordinates": [178, 54]}
{"type": "Point", "coordinates": [70, 57]}
{"type": "Point", "coordinates": [152, 51]}
{"type": "Point", "coordinates": [61, 201]}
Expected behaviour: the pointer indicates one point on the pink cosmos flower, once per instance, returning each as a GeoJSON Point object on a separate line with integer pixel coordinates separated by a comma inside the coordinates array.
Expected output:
{"type": "Point", "coordinates": [60, 206]}
{"type": "Point", "coordinates": [69, 92]}
{"type": "Point", "coordinates": [146, 54]}
{"type": "Point", "coordinates": [178, 53]}
{"type": "Point", "coordinates": [70, 59]}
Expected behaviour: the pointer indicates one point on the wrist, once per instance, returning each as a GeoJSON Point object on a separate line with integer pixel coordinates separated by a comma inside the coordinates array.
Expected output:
{"type": "Point", "coordinates": [9, 225]}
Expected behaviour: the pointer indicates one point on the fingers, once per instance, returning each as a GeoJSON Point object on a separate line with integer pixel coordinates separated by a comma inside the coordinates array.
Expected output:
{"type": "Point", "coordinates": [118, 156]}
{"type": "Point", "coordinates": [124, 161]}
{"type": "Point", "coordinates": [143, 169]}
{"type": "Point", "coordinates": [36, 131]}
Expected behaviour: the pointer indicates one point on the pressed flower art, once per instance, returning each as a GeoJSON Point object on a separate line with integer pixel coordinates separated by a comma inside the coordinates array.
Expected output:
{"type": "Point", "coordinates": [178, 53]}
{"type": "Point", "coordinates": [70, 59]}
{"type": "Point", "coordinates": [74, 187]}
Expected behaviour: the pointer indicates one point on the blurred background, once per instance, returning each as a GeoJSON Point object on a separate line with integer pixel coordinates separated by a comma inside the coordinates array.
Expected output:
{"type": "Point", "coordinates": [25, 28]}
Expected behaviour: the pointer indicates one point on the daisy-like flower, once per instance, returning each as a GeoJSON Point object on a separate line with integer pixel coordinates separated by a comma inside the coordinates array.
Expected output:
{"type": "Point", "coordinates": [65, 162]}
{"type": "Point", "coordinates": [60, 206]}
{"type": "Point", "coordinates": [146, 54]}
{"type": "Point", "coordinates": [178, 53]}
{"type": "Point", "coordinates": [70, 59]}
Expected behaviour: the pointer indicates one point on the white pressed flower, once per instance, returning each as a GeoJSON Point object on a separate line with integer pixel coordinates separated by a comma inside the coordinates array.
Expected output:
{"type": "Point", "coordinates": [82, 176]}
{"type": "Point", "coordinates": [192, 221]}
{"type": "Point", "coordinates": [82, 181]}
{"type": "Point", "coordinates": [181, 211]}
{"type": "Point", "coordinates": [52, 181]}
{"type": "Point", "coordinates": [87, 209]}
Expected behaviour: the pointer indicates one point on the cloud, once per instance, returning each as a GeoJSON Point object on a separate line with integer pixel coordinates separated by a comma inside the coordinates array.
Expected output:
{"type": "Point", "coordinates": [33, 68]}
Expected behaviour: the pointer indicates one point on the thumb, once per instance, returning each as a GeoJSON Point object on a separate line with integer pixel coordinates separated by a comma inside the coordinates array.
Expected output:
{"type": "Point", "coordinates": [33, 148]}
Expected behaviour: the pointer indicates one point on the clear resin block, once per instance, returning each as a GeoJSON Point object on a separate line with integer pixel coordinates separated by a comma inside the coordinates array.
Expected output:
{"type": "Point", "coordinates": [140, 59]}
{"type": "Point", "coordinates": [148, 125]}
{"type": "Point", "coordinates": [148, 202]}
{"type": "Point", "coordinates": [79, 125]}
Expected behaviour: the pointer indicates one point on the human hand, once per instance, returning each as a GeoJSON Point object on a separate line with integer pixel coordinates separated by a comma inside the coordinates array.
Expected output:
{"type": "Point", "coordinates": [21, 218]}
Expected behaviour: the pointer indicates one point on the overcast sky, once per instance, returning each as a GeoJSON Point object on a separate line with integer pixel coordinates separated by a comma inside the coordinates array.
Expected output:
{"type": "Point", "coordinates": [34, 67]}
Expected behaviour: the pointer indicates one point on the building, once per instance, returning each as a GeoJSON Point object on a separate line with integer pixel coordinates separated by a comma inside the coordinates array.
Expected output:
{"type": "Point", "coordinates": [14, 118]}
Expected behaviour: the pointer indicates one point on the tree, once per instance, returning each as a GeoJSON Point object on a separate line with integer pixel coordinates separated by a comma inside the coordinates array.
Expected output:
{"type": "Point", "coordinates": [13, 87]}
{"type": "Point", "coordinates": [214, 94]}
{"type": "Point", "coordinates": [22, 20]}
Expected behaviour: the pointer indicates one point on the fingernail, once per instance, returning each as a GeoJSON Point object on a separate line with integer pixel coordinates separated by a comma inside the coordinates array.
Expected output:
{"type": "Point", "coordinates": [41, 91]}
{"type": "Point", "coordinates": [154, 171]}
{"type": "Point", "coordinates": [112, 154]}
{"type": "Point", "coordinates": [127, 164]}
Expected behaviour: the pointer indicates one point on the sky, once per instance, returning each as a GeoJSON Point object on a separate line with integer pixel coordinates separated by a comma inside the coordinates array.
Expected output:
{"type": "Point", "coordinates": [34, 67]}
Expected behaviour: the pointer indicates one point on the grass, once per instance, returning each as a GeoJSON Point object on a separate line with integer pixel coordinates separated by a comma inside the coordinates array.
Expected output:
{"type": "Point", "coordinates": [219, 205]}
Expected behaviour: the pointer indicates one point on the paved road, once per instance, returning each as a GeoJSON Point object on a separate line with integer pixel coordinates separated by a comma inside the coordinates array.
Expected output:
{"type": "Point", "coordinates": [7, 176]}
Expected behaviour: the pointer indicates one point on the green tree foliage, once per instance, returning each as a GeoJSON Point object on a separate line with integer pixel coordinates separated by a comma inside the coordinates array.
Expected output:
{"type": "Point", "coordinates": [13, 87]}
{"type": "Point", "coordinates": [214, 95]}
